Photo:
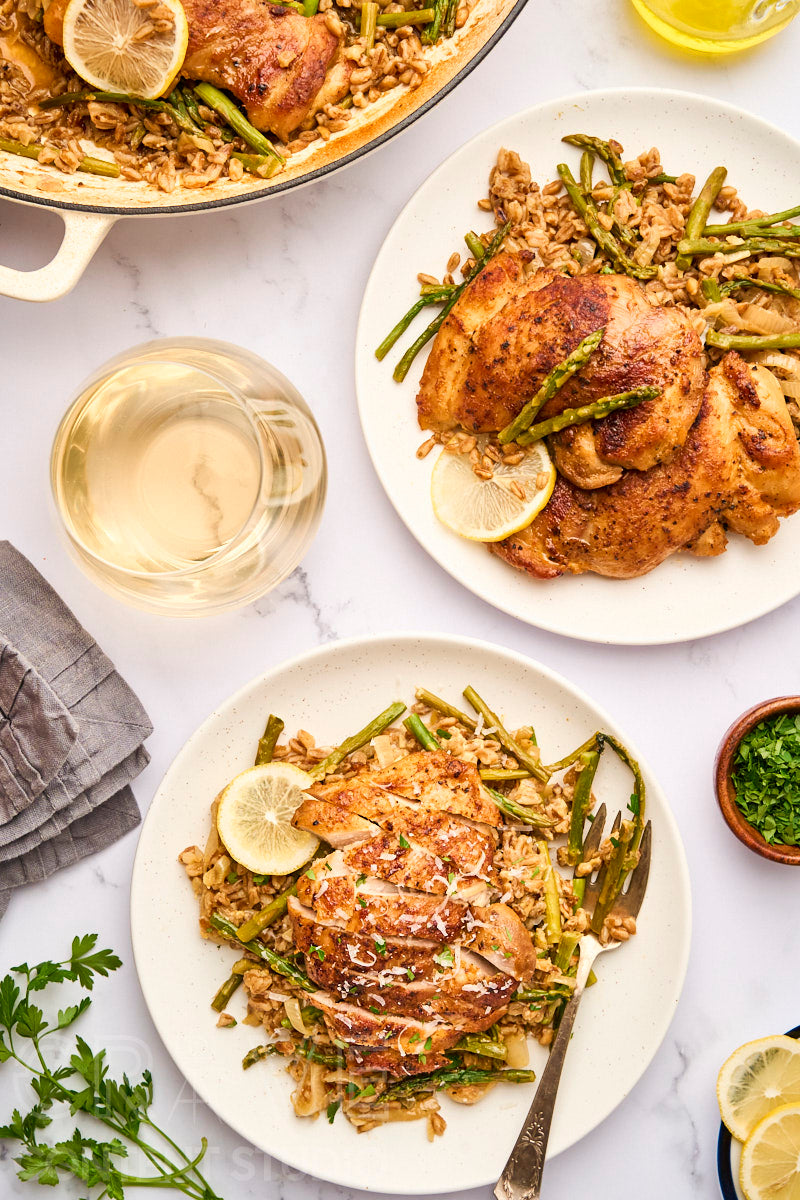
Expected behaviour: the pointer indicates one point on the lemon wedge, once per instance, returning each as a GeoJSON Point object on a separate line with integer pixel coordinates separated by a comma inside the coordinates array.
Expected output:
{"type": "Point", "coordinates": [122, 46]}
{"type": "Point", "coordinates": [757, 1078]}
{"type": "Point", "coordinates": [254, 819]}
{"type": "Point", "coordinates": [488, 510]}
{"type": "Point", "coordinates": [770, 1166]}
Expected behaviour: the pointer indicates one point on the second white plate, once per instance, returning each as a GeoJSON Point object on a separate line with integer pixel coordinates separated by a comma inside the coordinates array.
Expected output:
{"type": "Point", "coordinates": [686, 597]}
{"type": "Point", "coordinates": [331, 692]}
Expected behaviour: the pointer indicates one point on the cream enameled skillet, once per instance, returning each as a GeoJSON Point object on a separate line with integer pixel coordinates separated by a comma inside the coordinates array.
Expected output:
{"type": "Point", "coordinates": [89, 206]}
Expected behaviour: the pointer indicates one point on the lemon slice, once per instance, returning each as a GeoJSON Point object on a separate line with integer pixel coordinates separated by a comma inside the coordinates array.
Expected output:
{"type": "Point", "coordinates": [254, 819]}
{"type": "Point", "coordinates": [770, 1166]}
{"type": "Point", "coordinates": [488, 510]}
{"type": "Point", "coordinates": [757, 1078]}
{"type": "Point", "coordinates": [122, 46]}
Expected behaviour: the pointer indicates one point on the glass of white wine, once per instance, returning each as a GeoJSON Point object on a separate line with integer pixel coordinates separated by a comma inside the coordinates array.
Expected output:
{"type": "Point", "coordinates": [717, 26]}
{"type": "Point", "coordinates": [190, 476]}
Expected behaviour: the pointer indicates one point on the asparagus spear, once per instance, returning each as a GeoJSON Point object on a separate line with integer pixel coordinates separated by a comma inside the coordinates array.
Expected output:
{"type": "Point", "coordinates": [615, 871]}
{"type": "Point", "coordinates": [446, 709]}
{"type": "Point", "coordinates": [451, 1077]}
{"type": "Point", "coordinates": [581, 803]}
{"type": "Point", "coordinates": [573, 756]}
{"type": "Point", "coordinates": [698, 213]}
{"type": "Point", "coordinates": [588, 412]}
{"type": "Point", "coordinates": [276, 908]}
{"type": "Point", "coordinates": [711, 290]}
{"type": "Point", "coordinates": [257, 164]}
{"type": "Point", "coordinates": [223, 105]}
{"type": "Point", "coordinates": [501, 774]}
{"type": "Point", "coordinates": [760, 224]}
{"type": "Point", "coordinates": [477, 1043]}
{"type": "Point", "coordinates": [318, 1054]}
{"type": "Point", "coordinates": [421, 732]}
{"type": "Point", "coordinates": [369, 15]}
{"type": "Point", "coordinates": [402, 368]}
{"type": "Point", "coordinates": [531, 995]}
{"type": "Point", "coordinates": [432, 33]}
{"type": "Point", "coordinates": [586, 172]}
{"type": "Point", "coordinates": [606, 242]}
{"type": "Point", "coordinates": [432, 296]}
{"type": "Point", "coordinates": [602, 150]}
{"type": "Point", "coordinates": [414, 16]}
{"type": "Point", "coordinates": [566, 949]}
{"type": "Point", "coordinates": [357, 740]}
{"type": "Point", "coordinates": [310, 7]}
{"type": "Point", "coordinates": [491, 720]}
{"type": "Point", "coordinates": [181, 118]}
{"type": "Point", "coordinates": [704, 247]}
{"type": "Point", "coordinates": [276, 963]}
{"type": "Point", "coordinates": [89, 165]}
{"type": "Point", "coordinates": [268, 740]}
{"type": "Point", "coordinates": [552, 898]}
{"type": "Point", "coordinates": [475, 245]}
{"type": "Point", "coordinates": [220, 1001]}
{"type": "Point", "coordinates": [741, 341]}
{"type": "Point", "coordinates": [745, 281]}
{"type": "Point", "coordinates": [552, 384]}
{"type": "Point", "coordinates": [518, 811]}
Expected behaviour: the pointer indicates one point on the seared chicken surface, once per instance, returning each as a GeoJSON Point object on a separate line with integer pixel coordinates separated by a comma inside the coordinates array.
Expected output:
{"type": "Point", "coordinates": [508, 331]}
{"type": "Point", "coordinates": [283, 67]}
{"type": "Point", "coordinates": [715, 451]}
{"type": "Point", "coordinates": [739, 469]}
{"type": "Point", "coordinates": [398, 924]}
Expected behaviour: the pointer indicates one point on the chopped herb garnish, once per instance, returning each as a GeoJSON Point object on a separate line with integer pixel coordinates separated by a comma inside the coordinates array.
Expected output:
{"type": "Point", "coordinates": [362, 879]}
{"type": "Point", "coordinates": [332, 1110]}
{"type": "Point", "coordinates": [320, 953]}
{"type": "Point", "coordinates": [328, 866]}
{"type": "Point", "coordinates": [373, 1008]}
{"type": "Point", "coordinates": [445, 733]}
{"type": "Point", "coordinates": [369, 1090]}
{"type": "Point", "coordinates": [260, 880]}
{"type": "Point", "coordinates": [380, 945]}
{"type": "Point", "coordinates": [428, 1044]}
{"type": "Point", "coordinates": [614, 842]}
{"type": "Point", "coordinates": [231, 877]}
{"type": "Point", "coordinates": [410, 974]}
{"type": "Point", "coordinates": [415, 1037]}
{"type": "Point", "coordinates": [444, 958]}
{"type": "Point", "coordinates": [451, 875]}
{"type": "Point", "coordinates": [310, 873]}
{"type": "Point", "coordinates": [404, 842]}
{"type": "Point", "coordinates": [361, 902]}
{"type": "Point", "coordinates": [634, 804]}
{"type": "Point", "coordinates": [766, 779]}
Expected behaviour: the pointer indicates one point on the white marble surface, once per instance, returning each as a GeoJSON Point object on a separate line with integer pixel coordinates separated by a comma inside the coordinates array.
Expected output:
{"type": "Point", "coordinates": [267, 276]}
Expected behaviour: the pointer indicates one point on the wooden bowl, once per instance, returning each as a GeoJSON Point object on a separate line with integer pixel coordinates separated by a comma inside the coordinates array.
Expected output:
{"type": "Point", "coordinates": [726, 794]}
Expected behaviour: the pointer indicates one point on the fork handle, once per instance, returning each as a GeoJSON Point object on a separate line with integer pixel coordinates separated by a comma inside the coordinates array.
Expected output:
{"type": "Point", "coordinates": [522, 1175]}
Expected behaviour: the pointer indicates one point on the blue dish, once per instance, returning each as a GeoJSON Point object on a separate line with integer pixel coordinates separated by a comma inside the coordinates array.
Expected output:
{"type": "Point", "coordinates": [728, 1149]}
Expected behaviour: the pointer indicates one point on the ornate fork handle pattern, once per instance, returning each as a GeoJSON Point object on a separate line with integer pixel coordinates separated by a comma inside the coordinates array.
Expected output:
{"type": "Point", "coordinates": [522, 1175]}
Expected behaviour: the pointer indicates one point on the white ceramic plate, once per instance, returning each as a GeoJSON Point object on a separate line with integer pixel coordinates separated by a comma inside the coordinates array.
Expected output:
{"type": "Point", "coordinates": [686, 597]}
{"type": "Point", "coordinates": [331, 692]}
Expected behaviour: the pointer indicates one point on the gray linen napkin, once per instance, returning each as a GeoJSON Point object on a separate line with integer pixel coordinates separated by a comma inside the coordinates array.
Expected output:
{"type": "Point", "coordinates": [71, 734]}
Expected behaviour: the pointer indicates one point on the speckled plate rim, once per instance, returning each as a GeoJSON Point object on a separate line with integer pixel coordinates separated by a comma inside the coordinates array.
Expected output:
{"type": "Point", "coordinates": [645, 979]}
{"type": "Point", "coordinates": [729, 1152]}
{"type": "Point", "coordinates": [685, 598]}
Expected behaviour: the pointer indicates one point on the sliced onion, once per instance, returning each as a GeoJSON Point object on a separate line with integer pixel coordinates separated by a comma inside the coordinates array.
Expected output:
{"type": "Point", "coordinates": [766, 320]}
{"type": "Point", "coordinates": [767, 267]}
{"type": "Point", "coordinates": [786, 363]}
{"type": "Point", "coordinates": [311, 1096]}
{"type": "Point", "coordinates": [790, 388]}
{"type": "Point", "coordinates": [292, 1007]}
{"type": "Point", "coordinates": [517, 1050]}
{"type": "Point", "coordinates": [584, 251]}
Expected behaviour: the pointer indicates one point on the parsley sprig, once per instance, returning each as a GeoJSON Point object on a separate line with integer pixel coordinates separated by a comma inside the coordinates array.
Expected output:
{"type": "Point", "coordinates": [83, 1085]}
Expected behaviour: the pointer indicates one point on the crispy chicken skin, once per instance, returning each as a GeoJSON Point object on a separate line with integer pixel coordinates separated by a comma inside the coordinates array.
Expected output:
{"type": "Point", "coordinates": [397, 924]}
{"type": "Point", "coordinates": [283, 67]}
{"type": "Point", "coordinates": [739, 469]}
{"type": "Point", "coordinates": [507, 332]}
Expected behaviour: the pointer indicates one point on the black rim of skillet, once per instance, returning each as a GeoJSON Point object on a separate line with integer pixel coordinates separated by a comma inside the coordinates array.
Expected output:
{"type": "Point", "coordinates": [311, 177]}
{"type": "Point", "coordinates": [726, 1181]}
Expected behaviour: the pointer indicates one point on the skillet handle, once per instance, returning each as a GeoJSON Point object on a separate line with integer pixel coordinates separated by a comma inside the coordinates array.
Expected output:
{"type": "Point", "coordinates": [83, 233]}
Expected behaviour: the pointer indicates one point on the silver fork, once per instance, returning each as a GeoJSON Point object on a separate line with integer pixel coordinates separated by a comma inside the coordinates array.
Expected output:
{"type": "Point", "coordinates": [522, 1175]}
